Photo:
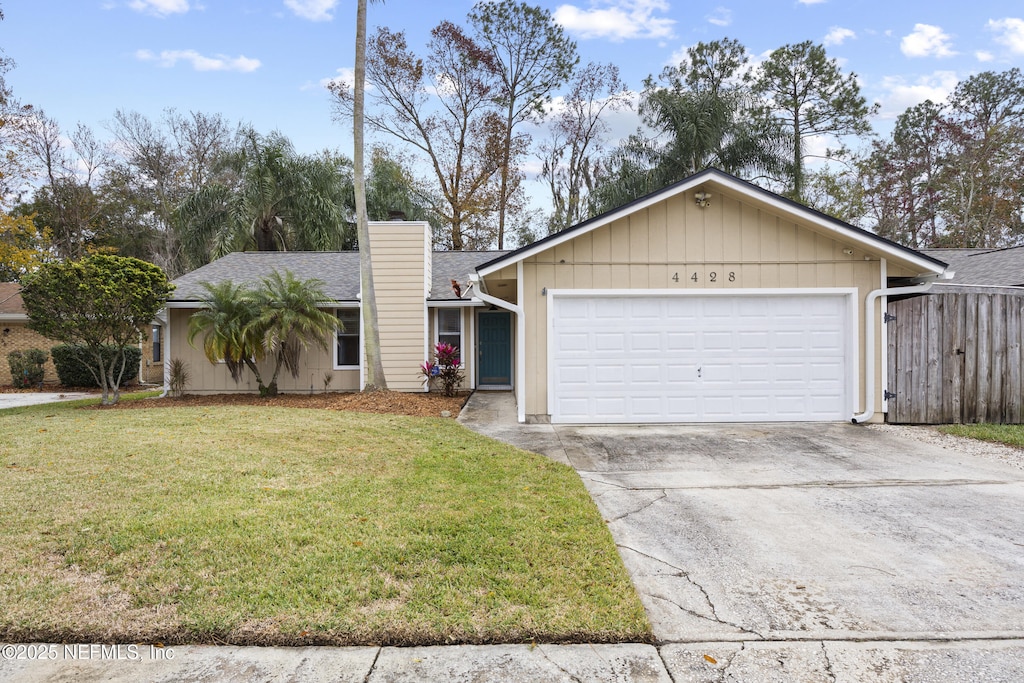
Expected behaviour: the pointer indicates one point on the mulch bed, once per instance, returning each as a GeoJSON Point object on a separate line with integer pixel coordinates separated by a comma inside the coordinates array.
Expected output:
{"type": "Point", "coordinates": [390, 402]}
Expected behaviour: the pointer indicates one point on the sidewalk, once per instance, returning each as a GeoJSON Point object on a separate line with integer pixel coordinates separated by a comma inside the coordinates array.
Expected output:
{"type": "Point", "coordinates": [751, 662]}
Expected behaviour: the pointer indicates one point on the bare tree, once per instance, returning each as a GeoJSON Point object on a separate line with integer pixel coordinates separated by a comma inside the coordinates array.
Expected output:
{"type": "Point", "coordinates": [572, 153]}
{"type": "Point", "coordinates": [532, 57]}
{"type": "Point", "coordinates": [441, 107]}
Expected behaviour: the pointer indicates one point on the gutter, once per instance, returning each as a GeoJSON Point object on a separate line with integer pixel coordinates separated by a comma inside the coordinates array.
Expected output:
{"type": "Point", "coordinates": [870, 342]}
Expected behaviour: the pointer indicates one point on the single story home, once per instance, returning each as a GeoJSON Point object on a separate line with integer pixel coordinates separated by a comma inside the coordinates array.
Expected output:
{"type": "Point", "coordinates": [711, 300]}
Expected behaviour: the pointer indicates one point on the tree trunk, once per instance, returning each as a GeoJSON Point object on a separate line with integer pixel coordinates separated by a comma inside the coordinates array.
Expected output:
{"type": "Point", "coordinates": [375, 378]}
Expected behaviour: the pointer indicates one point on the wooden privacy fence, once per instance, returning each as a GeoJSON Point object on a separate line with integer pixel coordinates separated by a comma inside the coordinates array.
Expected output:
{"type": "Point", "coordinates": [956, 357]}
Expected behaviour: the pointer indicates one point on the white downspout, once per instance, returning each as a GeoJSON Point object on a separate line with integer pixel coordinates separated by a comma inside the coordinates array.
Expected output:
{"type": "Point", "coordinates": [165, 349]}
{"type": "Point", "coordinates": [475, 283]}
{"type": "Point", "coordinates": [869, 342]}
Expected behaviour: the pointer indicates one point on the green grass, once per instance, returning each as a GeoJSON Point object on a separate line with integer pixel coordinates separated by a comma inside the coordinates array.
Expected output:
{"type": "Point", "coordinates": [1012, 435]}
{"type": "Point", "coordinates": [295, 526]}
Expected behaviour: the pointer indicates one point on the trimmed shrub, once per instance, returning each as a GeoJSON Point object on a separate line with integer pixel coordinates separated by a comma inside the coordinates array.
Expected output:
{"type": "Point", "coordinates": [72, 372]}
{"type": "Point", "coordinates": [27, 367]}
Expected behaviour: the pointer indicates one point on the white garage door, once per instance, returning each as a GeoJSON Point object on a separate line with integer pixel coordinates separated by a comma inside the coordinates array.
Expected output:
{"type": "Point", "coordinates": [699, 358]}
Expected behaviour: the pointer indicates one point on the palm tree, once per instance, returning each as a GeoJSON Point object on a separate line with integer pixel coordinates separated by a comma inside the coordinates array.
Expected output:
{"type": "Point", "coordinates": [289, 320]}
{"type": "Point", "coordinates": [225, 321]}
{"type": "Point", "coordinates": [375, 378]}
{"type": "Point", "coordinates": [269, 198]}
{"type": "Point", "coordinates": [242, 325]}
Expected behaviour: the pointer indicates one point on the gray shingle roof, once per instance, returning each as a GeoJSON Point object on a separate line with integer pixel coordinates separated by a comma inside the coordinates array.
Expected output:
{"type": "Point", "coordinates": [983, 266]}
{"type": "Point", "coordinates": [339, 270]}
{"type": "Point", "coordinates": [456, 265]}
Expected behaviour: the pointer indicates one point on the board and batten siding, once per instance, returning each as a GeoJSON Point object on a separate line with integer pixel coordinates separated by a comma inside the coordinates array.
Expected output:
{"type": "Point", "coordinates": [401, 257]}
{"type": "Point", "coordinates": [676, 245]}
{"type": "Point", "coordinates": [214, 378]}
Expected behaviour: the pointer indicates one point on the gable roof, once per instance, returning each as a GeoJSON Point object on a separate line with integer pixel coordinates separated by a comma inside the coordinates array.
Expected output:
{"type": "Point", "coordinates": [715, 177]}
{"type": "Point", "coordinates": [992, 267]}
{"type": "Point", "coordinates": [339, 271]}
{"type": "Point", "coordinates": [11, 305]}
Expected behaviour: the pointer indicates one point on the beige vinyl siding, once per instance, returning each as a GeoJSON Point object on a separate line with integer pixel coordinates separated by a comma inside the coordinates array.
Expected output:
{"type": "Point", "coordinates": [214, 378]}
{"type": "Point", "coordinates": [733, 244]}
{"type": "Point", "coordinates": [400, 253]}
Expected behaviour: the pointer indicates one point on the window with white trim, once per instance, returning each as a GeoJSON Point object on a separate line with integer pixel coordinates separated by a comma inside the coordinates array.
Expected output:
{"type": "Point", "coordinates": [449, 326]}
{"type": "Point", "coordinates": [157, 346]}
{"type": "Point", "coordinates": [347, 344]}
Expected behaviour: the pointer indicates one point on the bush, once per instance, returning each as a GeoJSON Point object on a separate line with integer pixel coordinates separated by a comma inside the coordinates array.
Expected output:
{"type": "Point", "coordinates": [27, 367]}
{"type": "Point", "coordinates": [72, 372]}
{"type": "Point", "coordinates": [179, 377]}
{"type": "Point", "coordinates": [447, 368]}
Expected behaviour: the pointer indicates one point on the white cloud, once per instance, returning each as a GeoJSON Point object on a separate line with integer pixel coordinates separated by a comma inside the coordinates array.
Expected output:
{"type": "Point", "coordinates": [616, 20]}
{"type": "Point", "coordinates": [346, 76]}
{"type": "Point", "coordinates": [720, 17]}
{"type": "Point", "coordinates": [1009, 32]}
{"type": "Point", "coordinates": [811, 2]}
{"type": "Point", "coordinates": [168, 58]}
{"type": "Point", "coordinates": [837, 35]}
{"type": "Point", "coordinates": [900, 94]}
{"type": "Point", "coordinates": [314, 10]}
{"type": "Point", "coordinates": [927, 41]}
{"type": "Point", "coordinates": [984, 56]}
{"type": "Point", "coordinates": [160, 8]}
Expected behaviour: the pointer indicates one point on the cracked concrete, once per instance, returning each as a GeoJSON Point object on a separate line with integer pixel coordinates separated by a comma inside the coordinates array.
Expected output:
{"type": "Point", "coordinates": [804, 536]}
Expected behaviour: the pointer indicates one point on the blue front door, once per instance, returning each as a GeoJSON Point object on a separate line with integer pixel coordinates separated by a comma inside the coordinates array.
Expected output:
{"type": "Point", "coordinates": [494, 348]}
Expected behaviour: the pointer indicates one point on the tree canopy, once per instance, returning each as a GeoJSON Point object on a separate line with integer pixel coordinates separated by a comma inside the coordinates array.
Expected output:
{"type": "Point", "coordinates": [98, 301]}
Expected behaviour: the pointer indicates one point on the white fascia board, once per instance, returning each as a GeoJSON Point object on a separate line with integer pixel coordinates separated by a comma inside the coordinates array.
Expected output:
{"type": "Point", "coordinates": [455, 303]}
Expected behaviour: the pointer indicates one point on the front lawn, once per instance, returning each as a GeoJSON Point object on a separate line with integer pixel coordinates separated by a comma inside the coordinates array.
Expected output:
{"type": "Point", "coordinates": [258, 525]}
{"type": "Point", "coordinates": [1012, 435]}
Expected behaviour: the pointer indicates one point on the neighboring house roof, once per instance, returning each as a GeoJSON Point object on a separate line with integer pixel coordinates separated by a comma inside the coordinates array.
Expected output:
{"type": "Point", "coordinates": [990, 267]}
{"type": "Point", "coordinates": [339, 270]}
{"type": "Point", "coordinates": [11, 305]}
{"type": "Point", "coordinates": [853, 234]}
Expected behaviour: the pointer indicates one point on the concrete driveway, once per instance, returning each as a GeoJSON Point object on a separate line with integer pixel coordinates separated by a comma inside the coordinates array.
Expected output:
{"type": "Point", "coordinates": [19, 400]}
{"type": "Point", "coordinates": [824, 540]}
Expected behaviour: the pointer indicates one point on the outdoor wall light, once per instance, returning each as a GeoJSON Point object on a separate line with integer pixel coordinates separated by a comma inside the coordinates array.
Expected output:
{"type": "Point", "coordinates": [703, 199]}
{"type": "Point", "coordinates": [848, 252]}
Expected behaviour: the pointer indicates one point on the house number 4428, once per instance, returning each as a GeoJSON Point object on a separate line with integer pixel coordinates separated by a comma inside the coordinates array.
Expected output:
{"type": "Point", "coordinates": [712, 277]}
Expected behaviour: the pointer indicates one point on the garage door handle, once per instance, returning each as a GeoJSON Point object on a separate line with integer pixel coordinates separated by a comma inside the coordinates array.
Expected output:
{"type": "Point", "coordinates": [698, 371]}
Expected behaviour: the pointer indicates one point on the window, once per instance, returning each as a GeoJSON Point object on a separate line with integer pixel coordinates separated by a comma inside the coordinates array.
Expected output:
{"type": "Point", "coordinates": [348, 338]}
{"type": "Point", "coordinates": [449, 326]}
{"type": "Point", "coordinates": [156, 345]}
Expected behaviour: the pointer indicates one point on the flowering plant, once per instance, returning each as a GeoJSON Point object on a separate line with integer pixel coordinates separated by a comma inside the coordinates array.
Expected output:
{"type": "Point", "coordinates": [446, 367]}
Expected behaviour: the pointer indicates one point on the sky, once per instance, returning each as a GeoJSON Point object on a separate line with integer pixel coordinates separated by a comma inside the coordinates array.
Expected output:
{"type": "Point", "coordinates": [266, 62]}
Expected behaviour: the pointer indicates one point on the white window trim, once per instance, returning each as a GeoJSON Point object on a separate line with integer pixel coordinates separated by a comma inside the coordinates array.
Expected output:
{"type": "Point", "coordinates": [462, 334]}
{"type": "Point", "coordinates": [359, 323]}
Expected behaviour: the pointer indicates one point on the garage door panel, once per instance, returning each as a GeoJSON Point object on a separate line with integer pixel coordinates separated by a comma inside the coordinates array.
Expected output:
{"type": "Point", "coordinates": [699, 358]}
{"type": "Point", "coordinates": [645, 341]}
